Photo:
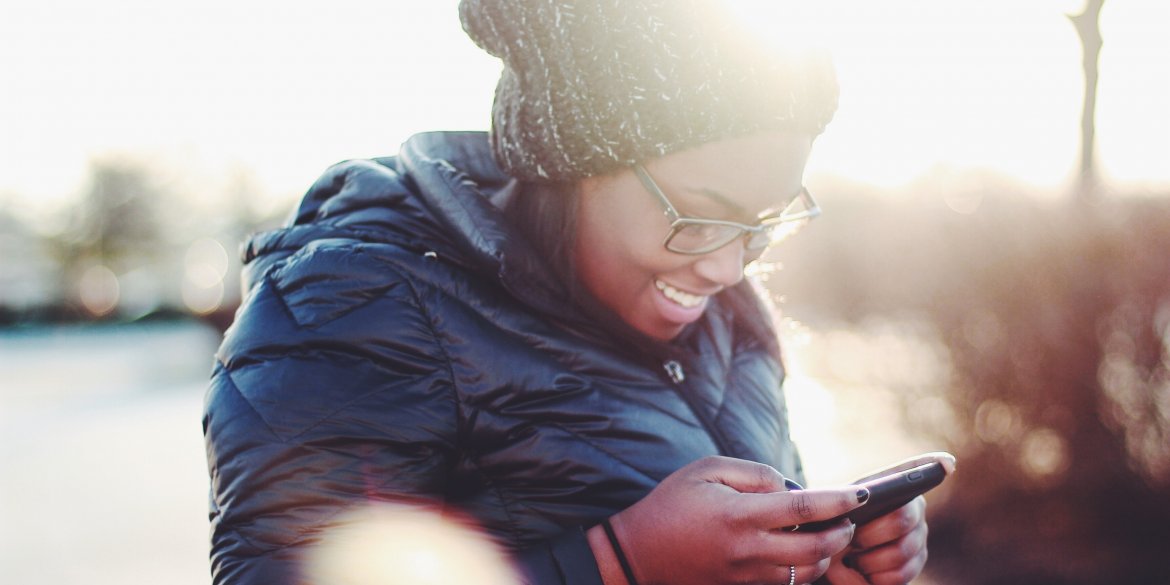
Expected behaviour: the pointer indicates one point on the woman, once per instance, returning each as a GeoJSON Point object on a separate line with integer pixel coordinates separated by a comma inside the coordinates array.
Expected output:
{"type": "Point", "coordinates": [546, 329]}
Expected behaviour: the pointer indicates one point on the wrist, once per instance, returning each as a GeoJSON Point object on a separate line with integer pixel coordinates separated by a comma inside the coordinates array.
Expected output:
{"type": "Point", "coordinates": [603, 553]}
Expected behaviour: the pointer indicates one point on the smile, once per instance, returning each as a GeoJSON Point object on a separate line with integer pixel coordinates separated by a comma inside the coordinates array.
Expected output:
{"type": "Point", "coordinates": [685, 299]}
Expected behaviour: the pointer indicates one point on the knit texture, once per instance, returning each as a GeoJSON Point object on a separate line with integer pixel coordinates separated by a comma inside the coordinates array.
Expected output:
{"type": "Point", "coordinates": [590, 86]}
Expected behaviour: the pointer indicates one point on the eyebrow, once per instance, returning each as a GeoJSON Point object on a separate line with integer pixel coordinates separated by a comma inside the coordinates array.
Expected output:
{"type": "Point", "coordinates": [738, 209]}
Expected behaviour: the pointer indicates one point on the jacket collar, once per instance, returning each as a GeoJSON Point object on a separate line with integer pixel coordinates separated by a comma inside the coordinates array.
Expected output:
{"type": "Point", "coordinates": [457, 180]}
{"type": "Point", "coordinates": [435, 196]}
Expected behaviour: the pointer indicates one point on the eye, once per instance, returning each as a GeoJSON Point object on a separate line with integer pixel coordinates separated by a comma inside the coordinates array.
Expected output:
{"type": "Point", "coordinates": [703, 237]}
{"type": "Point", "coordinates": [708, 231]}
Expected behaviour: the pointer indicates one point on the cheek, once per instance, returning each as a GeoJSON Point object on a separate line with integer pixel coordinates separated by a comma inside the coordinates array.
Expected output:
{"type": "Point", "coordinates": [617, 261]}
{"type": "Point", "coordinates": [619, 245]}
{"type": "Point", "coordinates": [620, 235]}
{"type": "Point", "coordinates": [629, 249]}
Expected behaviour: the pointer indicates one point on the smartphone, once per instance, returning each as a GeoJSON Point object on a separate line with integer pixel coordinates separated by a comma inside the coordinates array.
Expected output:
{"type": "Point", "coordinates": [888, 493]}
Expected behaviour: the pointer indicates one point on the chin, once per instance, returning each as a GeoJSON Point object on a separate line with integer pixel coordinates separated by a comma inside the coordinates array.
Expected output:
{"type": "Point", "coordinates": [663, 333]}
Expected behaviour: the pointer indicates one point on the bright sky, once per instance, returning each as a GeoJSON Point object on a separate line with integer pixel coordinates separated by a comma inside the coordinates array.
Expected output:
{"type": "Point", "coordinates": [284, 89]}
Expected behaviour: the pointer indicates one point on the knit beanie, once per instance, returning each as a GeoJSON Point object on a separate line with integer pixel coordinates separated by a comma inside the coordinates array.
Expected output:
{"type": "Point", "coordinates": [591, 86]}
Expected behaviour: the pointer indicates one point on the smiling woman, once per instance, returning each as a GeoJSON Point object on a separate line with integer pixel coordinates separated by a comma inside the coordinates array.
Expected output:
{"type": "Point", "coordinates": [546, 328]}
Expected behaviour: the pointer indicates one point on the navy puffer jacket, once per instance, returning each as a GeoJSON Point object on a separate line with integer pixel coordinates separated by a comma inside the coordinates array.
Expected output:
{"type": "Point", "coordinates": [399, 342]}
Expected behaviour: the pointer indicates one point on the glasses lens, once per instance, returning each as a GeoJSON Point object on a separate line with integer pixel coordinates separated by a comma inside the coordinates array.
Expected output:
{"type": "Point", "coordinates": [700, 238]}
{"type": "Point", "coordinates": [696, 236]}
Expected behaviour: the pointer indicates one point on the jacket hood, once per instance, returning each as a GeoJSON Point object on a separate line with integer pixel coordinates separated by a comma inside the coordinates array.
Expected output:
{"type": "Point", "coordinates": [436, 198]}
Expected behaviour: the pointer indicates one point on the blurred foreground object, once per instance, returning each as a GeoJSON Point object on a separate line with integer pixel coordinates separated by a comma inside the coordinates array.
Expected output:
{"type": "Point", "coordinates": [385, 544]}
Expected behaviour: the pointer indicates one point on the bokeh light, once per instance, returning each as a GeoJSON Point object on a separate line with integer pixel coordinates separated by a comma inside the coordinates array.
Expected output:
{"type": "Point", "coordinates": [997, 422]}
{"type": "Point", "coordinates": [1044, 454]}
{"type": "Point", "coordinates": [204, 268]}
{"type": "Point", "coordinates": [385, 544]}
{"type": "Point", "coordinates": [1136, 386]}
{"type": "Point", "coordinates": [99, 290]}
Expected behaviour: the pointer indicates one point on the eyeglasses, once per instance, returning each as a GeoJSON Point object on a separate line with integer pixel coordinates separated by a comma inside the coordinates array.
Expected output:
{"type": "Point", "coordinates": [695, 236]}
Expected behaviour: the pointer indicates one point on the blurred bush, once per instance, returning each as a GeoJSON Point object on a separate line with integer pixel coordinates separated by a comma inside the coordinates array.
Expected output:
{"type": "Point", "coordinates": [1056, 319]}
{"type": "Point", "coordinates": [136, 242]}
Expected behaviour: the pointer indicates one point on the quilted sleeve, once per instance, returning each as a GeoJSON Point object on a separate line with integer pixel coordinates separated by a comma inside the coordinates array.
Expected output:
{"type": "Point", "coordinates": [328, 392]}
{"type": "Point", "coordinates": [332, 390]}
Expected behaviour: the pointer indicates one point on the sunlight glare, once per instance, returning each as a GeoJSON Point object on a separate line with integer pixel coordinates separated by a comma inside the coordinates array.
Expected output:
{"type": "Point", "coordinates": [1133, 121]}
{"type": "Point", "coordinates": [928, 82]}
{"type": "Point", "coordinates": [286, 90]}
{"type": "Point", "coordinates": [395, 545]}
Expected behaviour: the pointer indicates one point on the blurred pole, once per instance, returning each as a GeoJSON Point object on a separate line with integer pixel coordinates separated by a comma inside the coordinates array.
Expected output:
{"type": "Point", "coordinates": [1088, 25]}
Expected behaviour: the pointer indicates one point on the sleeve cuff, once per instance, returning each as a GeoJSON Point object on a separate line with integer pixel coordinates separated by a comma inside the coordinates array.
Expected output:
{"type": "Point", "coordinates": [566, 559]}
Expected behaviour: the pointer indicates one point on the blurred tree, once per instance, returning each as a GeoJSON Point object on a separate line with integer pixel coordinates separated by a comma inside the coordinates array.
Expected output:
{"type": "Point", "coordinates": [136, 242]}
{"type": "Point", "coordinates": [26, 275]}
{"type": "Point", "coordinates": [116, 226]}
{"type": "Point", "coordinates": [1088, 25]}
{"type": "Point", "coordinates": [118, 217]}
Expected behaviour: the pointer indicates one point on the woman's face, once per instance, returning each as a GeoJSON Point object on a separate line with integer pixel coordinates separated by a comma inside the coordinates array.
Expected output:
{"type": "Point", "coordinates": [619, 251]}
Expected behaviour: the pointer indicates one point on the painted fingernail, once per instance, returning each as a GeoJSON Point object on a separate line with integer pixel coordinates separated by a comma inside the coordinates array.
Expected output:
{"type": "Point", "coordinates": [792, 485]}
{"type": "Point", "coordinates": [862, 495]}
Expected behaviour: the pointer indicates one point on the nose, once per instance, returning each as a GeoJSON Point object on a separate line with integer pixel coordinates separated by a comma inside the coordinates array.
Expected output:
{"type": "Point", "coordinates": [723, 266]}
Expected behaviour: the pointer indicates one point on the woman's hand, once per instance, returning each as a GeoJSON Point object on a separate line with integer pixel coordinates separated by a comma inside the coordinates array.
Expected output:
{"type": "Point", "coordinates": [890, 549]}
{"type": "Point", "coordinates": [722, 520]}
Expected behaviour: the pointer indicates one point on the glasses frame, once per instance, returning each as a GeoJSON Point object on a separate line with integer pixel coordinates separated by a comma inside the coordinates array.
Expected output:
{"type": "Point", "coordinates": [678, 221]}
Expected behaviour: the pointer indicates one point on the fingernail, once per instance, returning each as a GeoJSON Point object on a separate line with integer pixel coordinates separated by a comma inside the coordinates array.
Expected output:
{"type": "Point", "coordinates": [792, 485]}
{"type": "Point", "coordinates": [862, 495]}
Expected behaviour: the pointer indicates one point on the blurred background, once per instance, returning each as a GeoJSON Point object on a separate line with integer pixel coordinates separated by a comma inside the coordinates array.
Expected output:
{"type": "Point", "coordinates": [990, 276]}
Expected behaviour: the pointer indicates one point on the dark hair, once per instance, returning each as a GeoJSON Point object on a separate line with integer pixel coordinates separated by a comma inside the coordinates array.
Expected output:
{"type": "Point", "coordinates": [546, 214]}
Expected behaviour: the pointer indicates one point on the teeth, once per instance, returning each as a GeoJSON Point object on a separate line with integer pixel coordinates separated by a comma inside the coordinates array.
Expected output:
{"type": "Point", "coordinates": [685, 299]}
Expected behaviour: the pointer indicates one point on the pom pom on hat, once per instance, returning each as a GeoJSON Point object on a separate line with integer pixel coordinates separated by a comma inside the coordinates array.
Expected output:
{"type": "Point", "coordinates": [590, 86]}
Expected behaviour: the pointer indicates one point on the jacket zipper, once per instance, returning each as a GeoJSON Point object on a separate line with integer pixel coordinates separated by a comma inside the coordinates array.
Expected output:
{"type": "Point", "coordinates": [677, 375]}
